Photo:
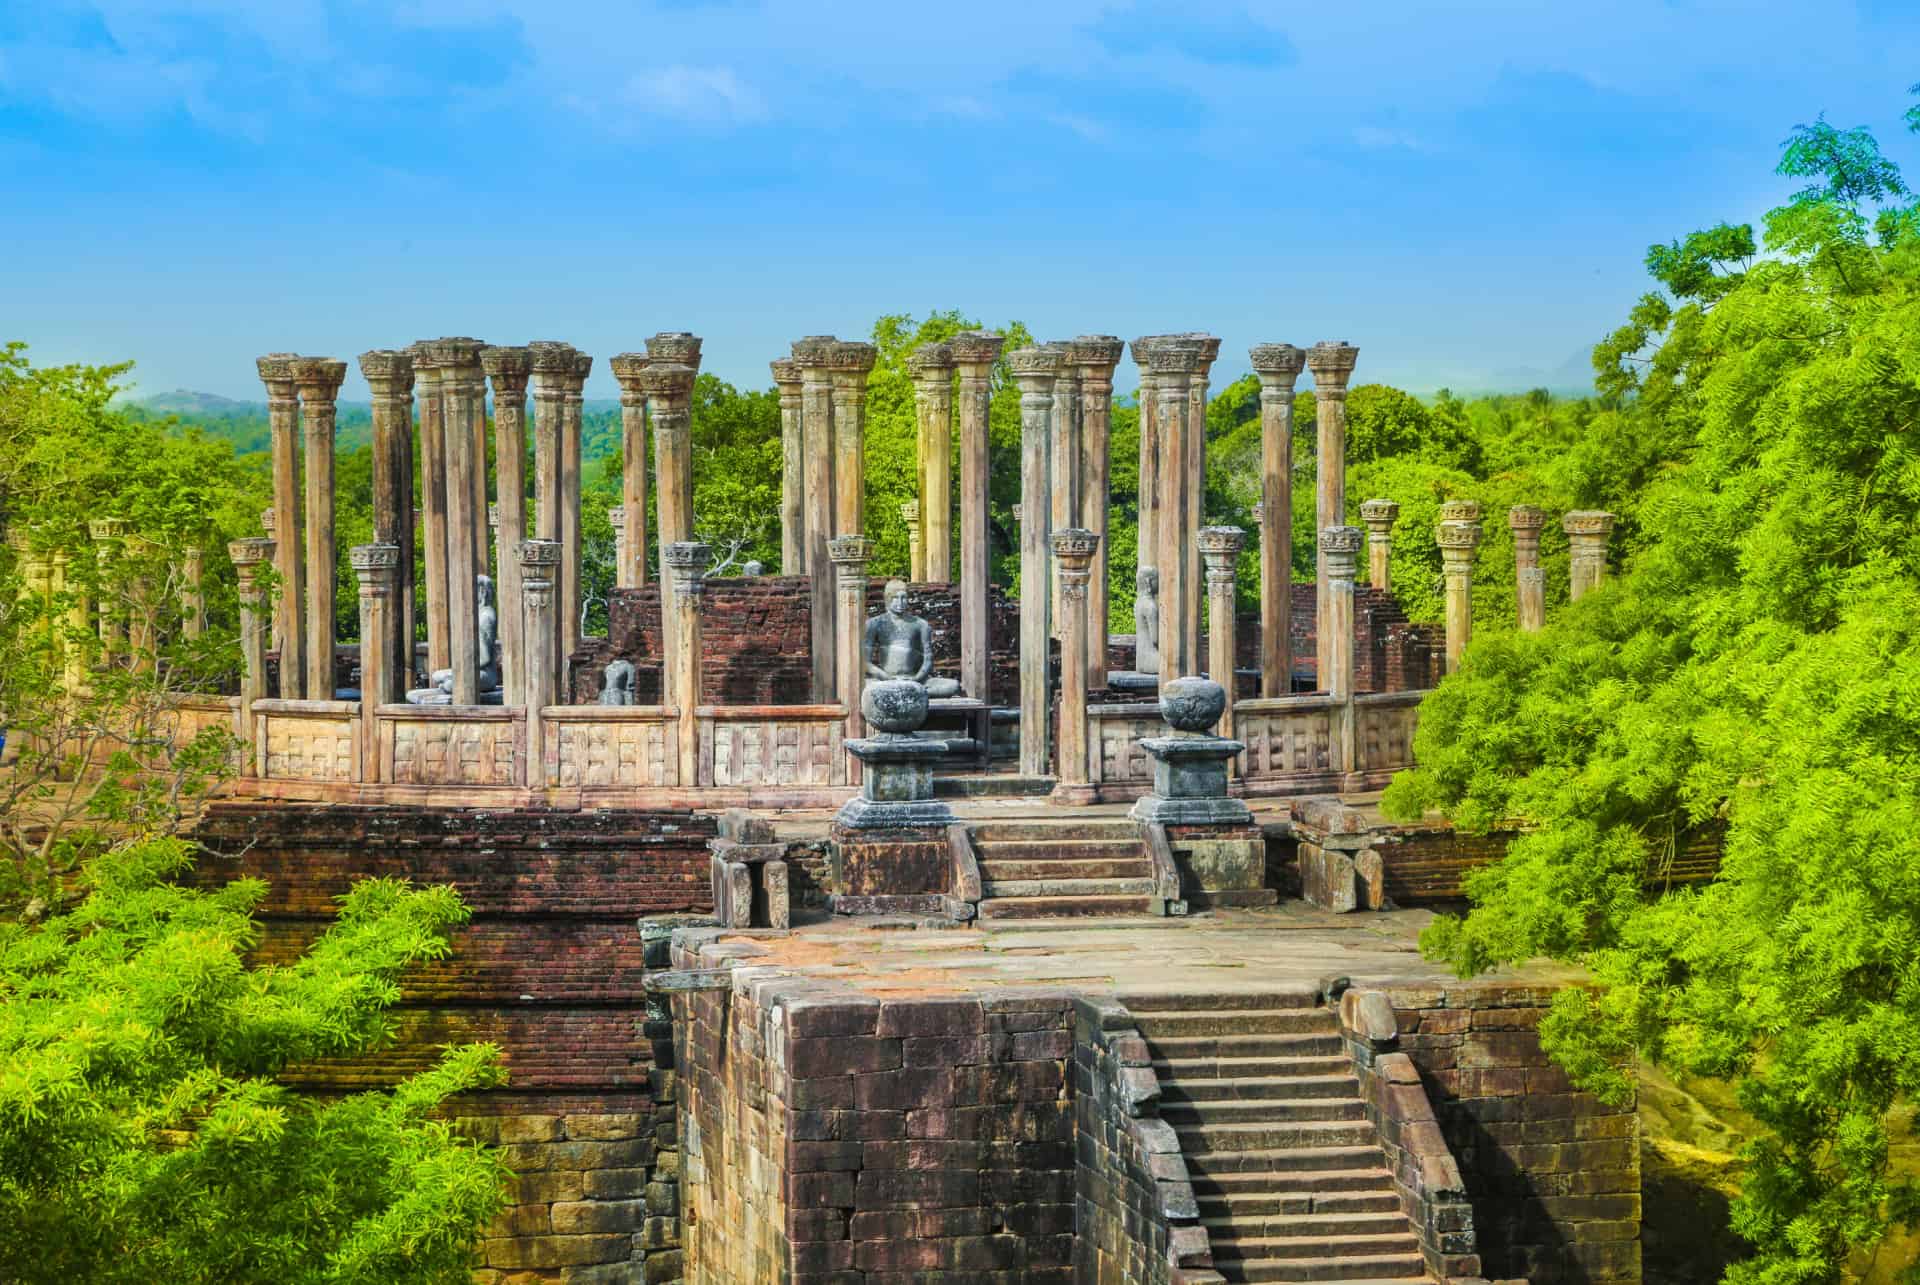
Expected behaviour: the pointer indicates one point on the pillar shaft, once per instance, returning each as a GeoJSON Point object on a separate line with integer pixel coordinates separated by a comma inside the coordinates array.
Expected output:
{"type": "Point", "coordinates": [1196, 479]}
{"type": "Point", "coordinates": [375, 566]}
{"type": "Point", "coordinates": [570, 539]}
{"type": "Point", "coordinates": [283, 417]}
{"type": "Point", "coordinates": [193, 598]}
{"type": "Point", "coordinates": [850, 554]}
{"type": "Point", "coordinates": [793, 470]}
{"type": "Point", "coordinates": [816, 413]}
{"type": "Point", "coordinates": [1278, 366]}
{"type": "Point", "coordinates": [539, 560]}
{"type": "Point", "coordinates": [509, 370]}
{"type": "Point", "coordinates": [1458, 535]}
{"type": "Point", "coordinates": [1073, 556]}
{"type": "Point", "coordinates": [974, 353]}
{"type": "Point", "coordinates": [461, 387]}
{"type": "Point", "coordinates": [248, 557]}
{"type": "Point", "coordinates": [1379, 516]}
{"type": "Point", "coordinates": [389, 376]}
{"type": "Point", "coordinates": [476, 408]}
{"type": "Point", "coordinates": [109, 534]}
{"type": "Point", "coordinates": [1339, 557]}
{"type": "Point", "coordinates": [686, 563]}
{"type": "Point", "coordinates": [916, 551]}
{"type": "Point", "coordinates": [1096, 356]}
{"type": "Point", "coordinates": [1529, 581]}
{"type": "Point", "coordinates": [1587, 531]}
{"type": "Point", "coordinates": [851, 362]}
{"type": "Point", "coordinates": [318, 383]}
{"type": "Point", "coordinates": [1332, 366]}
{"type": "Point", "coordinates": [1174, 362]}
{"type": "Point", "coordinates": [1063, 464]}
{"type": "Point", "coordinates": [669, 389]}
{"type": "Point", "coordinates": [1219, 548]}
{"type": "Point", "coordinates": [552, 371]}
{"type": "Point", "coordinates": [433, 503]}
{"type": "Point", "coordinates": [630, 528]}
{"type": "Point", "coordinates": [1148, 553]}
{"type": "Point", "coordinates": [932, 367]}
{"type": "Point", "coordinates": [1035, 370]}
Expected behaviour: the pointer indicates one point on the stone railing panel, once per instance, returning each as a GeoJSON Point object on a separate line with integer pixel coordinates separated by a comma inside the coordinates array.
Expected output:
{"type": "Point", "coordinates": [593, 746]}
{"type": "Point", "coordinates": [772, 745]}
{"type": "Point", "coordinates": [1116, 731]}
{"type": "Point", "coordinates": [442, 745]}
{"type": "Point", "coordinates": [306, 740]}
{"type": "Point", "coordinates": [1385, 725]}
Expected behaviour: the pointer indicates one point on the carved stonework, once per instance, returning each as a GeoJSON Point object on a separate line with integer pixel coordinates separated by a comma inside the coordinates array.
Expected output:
{"type": "Point", "coordinates": [1332, 364]}
{"type": "Point", "coordinates": [1587, 522]}
{"type": "Point", "coordinates": [1279, 362]}
{"type": "Point", "coordinates": [976, 347]}
{"type": "Point", "coordinates": [674, 347]}
{"type": "Point", "coordinates": [813, 350]}
{"type": "Point", "coordinates": [1455, 537]}
{"type": "Point", "coordinates": [1460, 511]}
{"type": "Point", "coordinates": [1526, 517]}
{"type": "Point", "coordinates": [1340, 551]}
{"type": "Point", "coordinates": [1379, 515]}
{"type": "Point", "coordinates": [931, 361]}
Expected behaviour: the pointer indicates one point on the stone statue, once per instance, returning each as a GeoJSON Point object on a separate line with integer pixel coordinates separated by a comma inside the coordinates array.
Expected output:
{"type": "Point", "coordinates": [617, 687]}
{"type": "Point", "coordinates": [1146, 622]}
{"type": "Point", "coordinates": [439, 690]}
{"type": "Point", "coordinates": [902, 645]}
{"type": "Point", "coordinates": [755, 568]}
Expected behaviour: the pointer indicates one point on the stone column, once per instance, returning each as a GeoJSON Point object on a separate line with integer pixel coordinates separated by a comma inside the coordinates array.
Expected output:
{"type": "Point", "coordinates": [1220, 550]}
{"type": "Point", "coordinates": [1340, 558]}
{"type": "Point", "coordinates": [932, 368]}
{"type": "Point", "coordinates": [1332, 366]}
{"type": "Point", "coordinates": [670, 399]}
{"type": "Point", "coordinates": [389, 374]}
{"type": "Point", "coordinates": [630, 528]}
{"type": "Point", "coordinates": [1034, 369]}
{"type": "Point", "coordinates": [1587, 531]}
{"type": "Point", "coordinates": [476, 407]}
{"type": "Point", "coordinates": [193, 598]}
{"type": "Point", "coordinates": [1073, 553]}
{"type": "Point", "coordinates": [1458, 535]}
{"type": "Point", "coordinates": [1529, 581]}
{"type": "Point", "coordinates": [248, 557]}
{"type": "Point", "coordinates": [1148, 557]}
{"type": "Point", "coordinates": [552, 371]}
{"type": "Point", "coordinates": [1379, 517]}
{"type": "Point", "coordinates": [686, 564]}
{"type": "Point", "coordinates": [793, 470]}
{"type": "Point", "coordinates": [974, 353]}
{"type": "Point", "coordinates": [916, 551]}
{"type": "Point", "coordinates": [850, 554]}
{"type": "Point", "coordinates": [509, 369]}
{"type": "Point", "coordinates": [109, 535]}
{"type": "Point", "coordinates": [1063, 466]}
{"type": "Point", "coordinates": [570, 542]}
{"type": "Point", "coordinates": [816, 419]}
{"type": "Point", "coordinates": [277, 643]}
{"type": "Point", "coordinates": [317, 380]}
{"type": "Point", "coordinates": [78, 622]}
{"type": "Point", "coordinates": [433, 501]}
{"type": "Point", "coordinates": [462, 386]}
{"type": "Point", "coordinates": [1196, 465]}
{"type": "Point", "coordinates": [375, 566]}
{"type": "Point", "coordinates": [1278, 366]}
{"type": "Point", "coordinates": [283, 416]}
{"type": "Point", "coordinates": [1174, 361]}
{"type": "Point", "coordinates": [851, 361]}
{"type": "Point", "coordinates": [539, 561]}
{"type": "Point", "coordinates": [1095, 356]}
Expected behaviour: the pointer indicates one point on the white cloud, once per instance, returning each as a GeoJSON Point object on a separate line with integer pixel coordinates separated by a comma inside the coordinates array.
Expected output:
{"type": "Point", "coordinates": [705, 95]}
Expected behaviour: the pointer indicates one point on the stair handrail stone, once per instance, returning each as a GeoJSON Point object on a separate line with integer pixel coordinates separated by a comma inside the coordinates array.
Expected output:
{"type": "Point", "coordinates": [967, 890]}
{"type": "Point", "coordinates": [1166, 874]}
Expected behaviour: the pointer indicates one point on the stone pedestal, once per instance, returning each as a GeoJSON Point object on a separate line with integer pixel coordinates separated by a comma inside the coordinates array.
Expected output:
{"type": "Point", "coordinates": [1458, 535]}
{"type": "Point", "coordinates": [793, 470]}
{"type": "Point", "coordinates": [896, 787]}
{"type": "Point", "coordinates": [283, 417]}
{"type": "Point", "coordinates": [1529, 581]}
{"type": "Point", "coordinates": [630, 527]}
{"type": "Point", "coordinates": [1190, 766]}
{"type": "Point", "coordinates": [1073, 554]}
{"type": "Point", "coordinates": [974, 353]}
{"type": "Point", "coordinates": [1278, 366]}
{"type": "Point", "coordinates": [1034, 369]}
{"type": "Point", "coordinates": [1332, 367]}
{"type": "Point", "coordinates": [1587, 531]}
{"type": "Point", "coordinates": [1378, 516]}
{"type": "Point", "coordinates": [932, 368]}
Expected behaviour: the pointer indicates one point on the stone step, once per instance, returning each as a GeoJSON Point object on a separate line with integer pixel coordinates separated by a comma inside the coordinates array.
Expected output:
{"type": "Point", "coordinates": [1185, 1047]}
{"type": "Point", "coordinates": [1061, 849]}
{"type": "Point", "coordinates": [1283, 1087]}
{"type": "Point", "coordinates": [996, 868]}
{"type": "Point", "coordinates": [1254, 1204]}
{"type": "Point", "coordinates": [1392, 1269]}
{"type": "Point", "coordinates": [1063, 907]}
{"type": "Point", "coordinates": [1082, 888]}
{"type": "Point", "coordinates": [1243, 1225]}
{"type": "Point", "coordinates": [1263, 1021]}
{"type": "Point", "coordinates": [1185, 1001]}
{"type": "Point", "coordinates": [1186, 1071]}
{"type": "Point", "coordinates": [1339, 1169]}
{"type": "Point", "coordinates": [1206, 1138]}
{"type": "Point", "coordinates": [1116, 830]}
{"type": "Point", "coordinates": [1261, 1110]}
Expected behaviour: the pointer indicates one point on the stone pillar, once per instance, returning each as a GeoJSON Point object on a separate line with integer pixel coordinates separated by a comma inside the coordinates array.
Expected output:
{"type": "Point", "coordinates": [389, 374]}
{"type": "Point", "coordinates": [1458, 535]}
{"type": "Point", "coordinates": [1095, 356]}
{"type": "Point", "coordinates": [1196, 502]}
{"type": "Point", "coordinates": [193, 597]}
{"type": "Point", "coordinates": [476, 407]}
{"type": "Point", "coordinates": [462, 385]}
{"type": "Point", "coordinates": [1587, 531]}
{"type": "Point", "coordinates": [1034, 369]}
{"type": "Point", "coordinates": [932, 368]}
{"type": "Point", "coordinates": [375, 566]}
{"type": "Point", "coordinates": [916, 551]}
{"type": "Point", "coordinates": [1379, 516]}
{"type": "Point", "coordinates": [974, 353]}
{"type": "Point", "coordinates": [1063, 460]}
{"type": "Point", "coordinates": [1340, 558]}
{"type": "Point", "coordinates": [539, 561]}
{"type": "Point", "coordinates": [1148, 555]}
{"type": "Point", "coordinates": [851, 361]}
{"type": "Point", "coordinates": [79, 623]}
{"type": "Point", "coordinates": [1529, 581]}
{"type": "Point", "coordinates": [570, 540]}
{"type": "Point", "coordinates": [109, 535]}
{"type": "Point", "coordinates": [1220, 550]}
{"type": "Point", "coordinates": [1332, 366]}
{"type": "Point", "coordinates": [276, 642]}
{"type": "Point", "coordinates": [433, 501]}
{"type": "Point", "coordinates": [1278, 366]}
{"type": "Point", "coordinates": [686, 564]}
{"type": "Point", "coordinates": [793, 470]}
{"type": "Point", "coordinates": [552, 371]}
{"type": "Point", "coordinates": [143, 636]}
{"type": "Point", "coordinates": [816, 418]}
{"type": "Point", "coordinates": [317, 381]}
{"type": "Point", "coordinates": [850, 554]}
{"type": "Point", "coordinates": [509, 370]}
{"type": "Point", "coordinates": [1073, 550]}
{"type": "Point", "coordinates": [248, 557]}
{"type": "Point", "coordinates": [283, 416]}
{"type": "Point", "coordinates": [1174, 361]}
{"type": "Point", "coordinates": [630, 528]}
{"type": "Point", "coordinates": [676, 355]}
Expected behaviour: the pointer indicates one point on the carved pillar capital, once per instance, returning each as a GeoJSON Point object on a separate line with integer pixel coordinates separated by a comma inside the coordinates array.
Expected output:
{"type": "Point", "coordinates": [686, 562]}
{"type": "Point", "coordinates": [1332, 363]}
{"type": "Point", "coordinates": [975, 351]}
{"type": "Point", "coordinates": [1278, 366]}
{"type": "Point", "coordinates": [850, 555]}
{"type": "Point", "coordinates": [248, 556]}
{"type": "Point", "coordinates": [1379, 517]}
{"type": "Point", "coordinates": [1220, 548]}
{"type": "Point", "coordinates": [1457, 540]}
{"type": "Point", "coordinates": [388, 372]}
{"type": "Point", "coordinates": [675, 348]}
{"type": "Point", "coordinates": [1073, 551]}
{"type": "Point", "coordinates": [1340, 552]}
{"type": "Point", "coordinates": [508, 368]}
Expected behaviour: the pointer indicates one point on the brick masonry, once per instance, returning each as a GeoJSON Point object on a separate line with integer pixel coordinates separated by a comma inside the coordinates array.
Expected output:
{"type": "Point", "coordinates": [550, 968]}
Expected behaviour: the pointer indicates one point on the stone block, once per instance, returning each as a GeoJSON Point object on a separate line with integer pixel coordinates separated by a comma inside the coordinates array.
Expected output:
{"type": "Point", "coordinates": [1371, 874]}
{"type": "Point", "coordinates": [810, 1059]}
{"type": "Point", "coordinates": [614, 1184]}
{"type": "Point", "coordinates": [931, 1017]}
{"type": "Point", "coordinates": [606, 1127]}
{"type": "Point", "coordinates": [578, 1217]}
{"type": "Point", "coordinates": [1327, 879]}
{"type": "Point", "coordinates": [555, 1251]}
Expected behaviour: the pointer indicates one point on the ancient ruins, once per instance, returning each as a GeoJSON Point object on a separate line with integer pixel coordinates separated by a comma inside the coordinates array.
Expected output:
{"type": "Point", "coordinates": [838, 931]}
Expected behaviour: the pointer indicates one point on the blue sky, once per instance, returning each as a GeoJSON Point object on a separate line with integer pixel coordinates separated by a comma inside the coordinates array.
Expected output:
{"type": "Point", "coordinates": [1465, 191]}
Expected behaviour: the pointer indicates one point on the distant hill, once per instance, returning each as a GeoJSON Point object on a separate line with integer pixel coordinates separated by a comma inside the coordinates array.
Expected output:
{"type": "Point", "coordinates": [186, 403]}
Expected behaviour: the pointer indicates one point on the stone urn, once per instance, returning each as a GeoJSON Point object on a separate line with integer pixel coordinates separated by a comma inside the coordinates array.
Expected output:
{"type": "Point", "coordinates": [1193, 706]}
{"type": "Point", "coordinates": [896, 787]}
{"type": "Point", "coordinates": [894, 707]}
{"type": "Point", "coordinates": [1190, 766]}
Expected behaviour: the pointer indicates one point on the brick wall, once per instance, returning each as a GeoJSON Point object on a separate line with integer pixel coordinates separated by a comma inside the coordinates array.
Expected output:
{"type": "Point", "coordinates": [550, 967]}
{"type": "Point", "coordinates": [1553, 1175]}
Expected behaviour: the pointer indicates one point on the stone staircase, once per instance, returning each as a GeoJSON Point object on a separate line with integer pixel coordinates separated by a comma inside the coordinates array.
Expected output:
{"type": "Point", "coordinates": [1041, 869]}
{"type": "Point", "coordinates": [1290, 1177]}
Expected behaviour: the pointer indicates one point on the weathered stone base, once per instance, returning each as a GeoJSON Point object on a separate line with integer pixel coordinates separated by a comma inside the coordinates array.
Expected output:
{"type": "Point", "coordinates": [912, 861]}
{"type": "Point", "coordinates": [1221, 866]}
{"type": "Point", "coordinates": [888, 815]}
{"type": "Point", "coordinates": [1172, 812]}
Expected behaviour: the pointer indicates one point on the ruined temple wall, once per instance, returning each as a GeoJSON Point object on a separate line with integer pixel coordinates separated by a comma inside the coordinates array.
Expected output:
{"type": "Point", "coordinates": [550, 968]}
